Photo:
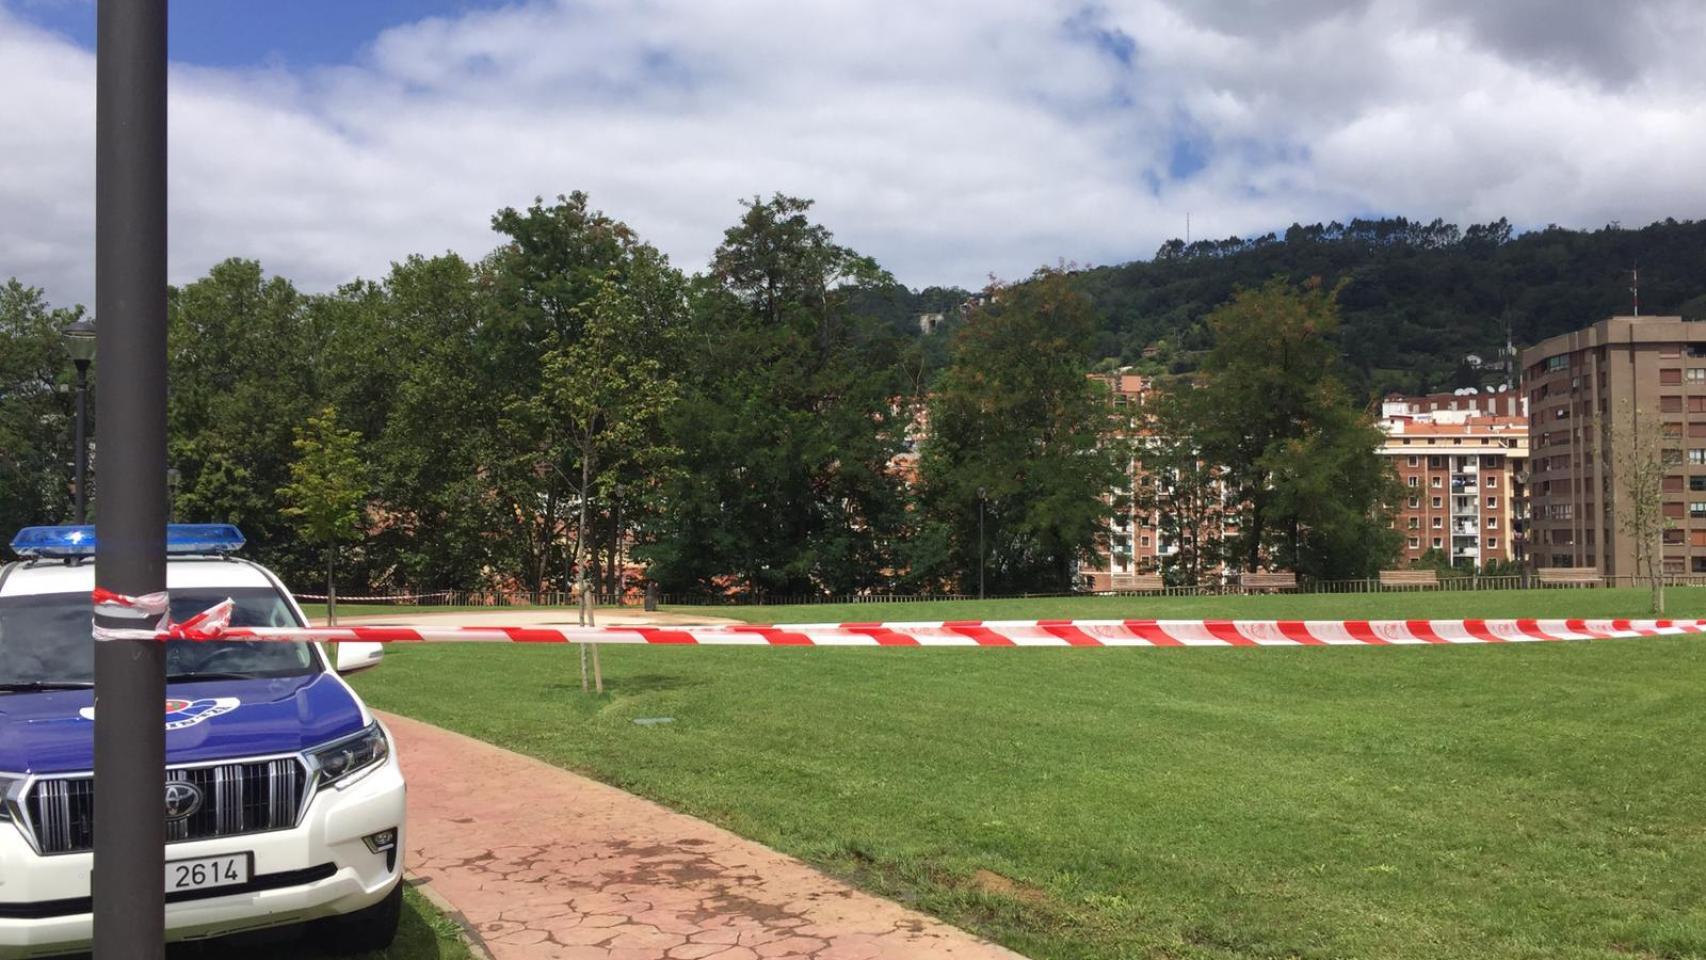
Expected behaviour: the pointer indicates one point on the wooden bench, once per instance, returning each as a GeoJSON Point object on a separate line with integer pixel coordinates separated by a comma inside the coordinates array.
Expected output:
{"type": "Point", "coordinates": [1569, 576]}
{"type": "Point", "coordinates": [1413, 579]}
{"type": "Point", "coordinates": [1138, 583]}
{"type": "Point", "coordinates": [1268, 580]}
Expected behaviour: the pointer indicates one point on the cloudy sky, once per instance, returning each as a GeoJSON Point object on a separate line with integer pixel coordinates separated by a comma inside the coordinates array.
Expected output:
{"type": "Point", "coordinates": [949, 139]}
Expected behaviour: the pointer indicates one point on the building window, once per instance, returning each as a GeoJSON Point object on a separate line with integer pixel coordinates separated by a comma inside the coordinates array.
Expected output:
{"type": "Point", "coordinates": [1558, 362]}
{"type": "Point", "coordinates": [1699, 564]}
{"type": "Point", "coordinates": [1697, 482]}
{"type": "Point", "coordinates": [1145, 541]}
{"type": "Point", "coordinates": [1670, 376]}
{"type": "Point", "coordinates": [1697, 509]}
{"type": "Point", "coordinates": [1436, 543]}
{"type": "Point", "coordinates": [1414, 460]}
{"type": "Point", "coordinates": [1492, 503]}
{"type": "Point", "coordinates": [1492, 543]}
{"type": "Point", "coordinates": [1436, 503]}
{"type": "Point", "coordinates": [1415, 523]}
{"type": "Point", "coordinates": [1416, 502]}
{"type": "Point", "coordinates": [1436, 463]}
{"type": "Point", "coordinates": [1697, 457]}
{"type": "Point", "coordinates": [1673, 536]}
{"type": "Point", "coordinates": [1493, 482]}
{"type": "Point", "coordinates": [1670, 404]}
{"type": "Point", "coordinates": [1416, 542]}
{"type": "Point", "coordinates": [1697, 374]}
{"type": "Point", "coordinates": [1434, 482]}
{"type": "Point", "coordinates": [1492, 523]}
{"type": "Point", "coordinates": [1417, 481]}
{"type": "Point", "coordinates": [1438, 523]}
{"type": "Point", "coordinates": [1671, 456]}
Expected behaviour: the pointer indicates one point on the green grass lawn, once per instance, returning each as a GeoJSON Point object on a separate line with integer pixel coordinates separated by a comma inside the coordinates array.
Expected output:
{"type": "Point", "coordinates": [1429, 604]}
{"type": "Point", "coordinates": [1516, 801]}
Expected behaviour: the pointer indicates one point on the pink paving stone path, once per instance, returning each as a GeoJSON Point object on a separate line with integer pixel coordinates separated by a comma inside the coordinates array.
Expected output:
{"type": "Point", "coordinates": [543, 863]}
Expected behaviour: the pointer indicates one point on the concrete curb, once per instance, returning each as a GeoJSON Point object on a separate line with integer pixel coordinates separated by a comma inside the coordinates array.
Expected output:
{"type": "Point", "coordinates": [470, 937]}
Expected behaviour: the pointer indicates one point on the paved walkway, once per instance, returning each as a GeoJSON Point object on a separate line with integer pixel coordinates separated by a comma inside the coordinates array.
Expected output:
{"type": "Point", "coordinates": [543, 863]}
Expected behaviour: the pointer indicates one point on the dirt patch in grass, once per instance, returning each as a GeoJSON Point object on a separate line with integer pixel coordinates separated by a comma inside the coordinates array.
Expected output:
{"type": "Point", "coordinates": [988, 881]}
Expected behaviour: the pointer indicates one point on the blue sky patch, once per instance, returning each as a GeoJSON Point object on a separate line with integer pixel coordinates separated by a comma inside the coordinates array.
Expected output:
{"type": "Point", "coordinates": [241, 33]}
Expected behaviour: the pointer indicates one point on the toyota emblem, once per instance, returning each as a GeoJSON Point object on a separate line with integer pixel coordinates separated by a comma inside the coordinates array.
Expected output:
{"type": "Point", "coordinates": [182, 799]}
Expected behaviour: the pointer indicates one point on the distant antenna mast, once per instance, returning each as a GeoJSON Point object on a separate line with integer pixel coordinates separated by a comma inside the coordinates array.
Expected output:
{"type": "Point", "coordinates": [1635, 287]}
{"type": "Point", "coordinates": [1187, 228]}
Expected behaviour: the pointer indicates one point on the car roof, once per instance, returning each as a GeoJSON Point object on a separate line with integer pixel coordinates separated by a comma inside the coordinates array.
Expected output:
{"type": "Point", "coordinates": [182, 573]}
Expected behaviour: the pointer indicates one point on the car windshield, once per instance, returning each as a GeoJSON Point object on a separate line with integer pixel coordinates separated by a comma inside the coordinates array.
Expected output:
{"type": "Point", "coordinates": [44, 639]}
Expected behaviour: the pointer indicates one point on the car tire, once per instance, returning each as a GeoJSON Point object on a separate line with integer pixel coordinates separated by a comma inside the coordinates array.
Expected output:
{"type": "Point", "coordinates": [368, 930]}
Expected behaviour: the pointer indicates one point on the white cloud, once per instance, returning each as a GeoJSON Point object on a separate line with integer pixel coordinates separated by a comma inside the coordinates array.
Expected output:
{"type": "Point", "coordinates": [949, 140]}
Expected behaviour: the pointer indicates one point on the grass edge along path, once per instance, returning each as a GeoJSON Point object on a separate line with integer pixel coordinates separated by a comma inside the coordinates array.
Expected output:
{"type": "Point", "coordinates": [1526, 801]}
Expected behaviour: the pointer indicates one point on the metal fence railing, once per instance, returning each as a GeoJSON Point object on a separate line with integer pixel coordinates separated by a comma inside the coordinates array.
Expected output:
{"type": "Point", "coordinates": [636, 598]}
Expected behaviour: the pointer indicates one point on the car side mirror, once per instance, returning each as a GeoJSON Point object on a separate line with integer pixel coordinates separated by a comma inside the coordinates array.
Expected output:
{"type": "Point", "coordinates": [356, 656]}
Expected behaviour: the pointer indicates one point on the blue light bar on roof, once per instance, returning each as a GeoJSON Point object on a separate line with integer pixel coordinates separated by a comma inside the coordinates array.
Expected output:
{"type": "Point", "coordinates": [79, 541]}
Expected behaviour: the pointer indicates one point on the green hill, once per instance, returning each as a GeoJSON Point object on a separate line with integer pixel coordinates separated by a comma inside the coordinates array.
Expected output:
{"type": "Point", "coordinates": [1417, 298]}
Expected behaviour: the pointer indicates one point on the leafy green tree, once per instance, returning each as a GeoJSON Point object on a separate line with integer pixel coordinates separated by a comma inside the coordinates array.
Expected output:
{"type": "Point", "coordinates": [1300, 458]}
{"type": "Point", "coordinates": [36, 428]}
{"type": "Point", "coordinates": [1017, 424]}
{"type": "Point", "coordinates": [789, 421]}
{"type": "Point", "coordinates": [542, 284]}
{"type": "Point", "coordinates": [601, 399]}
{"type": "Point", "coordinates": [404, 363]}
{"type": "Point", "coordinates": [327, 490]}
{"type": "Point", "coordinates": [241, 357]}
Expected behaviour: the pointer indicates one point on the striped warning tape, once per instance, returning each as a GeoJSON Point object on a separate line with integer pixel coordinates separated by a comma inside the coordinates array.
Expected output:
{"type": "Point", "coordinates": [986, 633]}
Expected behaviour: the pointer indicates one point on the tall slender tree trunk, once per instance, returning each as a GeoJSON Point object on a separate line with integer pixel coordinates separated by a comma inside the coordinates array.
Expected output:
{"type": "Point", "coordinates": [331, 588]}
{"type": "Point", "coordinates": [582, 557]}
{"type": "Point", "coordinates": [1656, 571]}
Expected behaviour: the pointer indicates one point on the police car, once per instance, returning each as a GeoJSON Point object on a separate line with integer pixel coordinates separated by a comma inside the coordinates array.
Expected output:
{"type": "Point", "coordinates": [284, 801]}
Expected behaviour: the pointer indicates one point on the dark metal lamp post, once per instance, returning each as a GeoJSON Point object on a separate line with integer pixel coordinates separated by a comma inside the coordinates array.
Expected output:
{"type": "Point", "coordinates": [982, 498]}
{"type": "Point", "coordinates": [79, 340]}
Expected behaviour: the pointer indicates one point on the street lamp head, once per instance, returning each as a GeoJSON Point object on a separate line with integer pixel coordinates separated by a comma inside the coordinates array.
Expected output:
{"type": "Point", "coordinates": [79, 340]}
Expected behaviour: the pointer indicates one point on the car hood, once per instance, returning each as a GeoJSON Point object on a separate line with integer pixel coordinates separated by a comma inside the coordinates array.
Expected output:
{"type": "Point", "coordinates": [52, 731]}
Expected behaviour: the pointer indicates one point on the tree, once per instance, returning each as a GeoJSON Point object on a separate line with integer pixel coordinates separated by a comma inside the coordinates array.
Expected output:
{"type": "Point", "coordinates": [327, 490]}
{"type": "Point", "coordinates": [789, 421]}
{"type": "Point", "coordinates": [541, 284]}
{"type": "Point", "coordinates": [1639, 461]}
{"type": "Point", "coordinates": [601, 399]}
{"type": "Point", "coordinates": [1017, 423]}
{"type": "Point", "coordinates": [1300, 458]}
{"type": "Point", "coordinates": [241, 356]}
{"type": "Point", "coordinates": [36, 440]}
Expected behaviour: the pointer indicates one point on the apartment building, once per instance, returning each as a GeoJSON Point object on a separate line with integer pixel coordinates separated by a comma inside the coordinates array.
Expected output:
{"type": "Point", "coordinates": [1464, 477]}
{"type": "Point", "coordinates": [1142, 537]}
{"type": "Point", "coordinates": [1593, 392]}
{"type": "Point", "coordinates": [1485, 403]}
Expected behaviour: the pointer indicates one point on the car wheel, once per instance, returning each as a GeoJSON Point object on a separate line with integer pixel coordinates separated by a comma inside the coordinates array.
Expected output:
{"type": "Point", "coordinates": [368, 930]}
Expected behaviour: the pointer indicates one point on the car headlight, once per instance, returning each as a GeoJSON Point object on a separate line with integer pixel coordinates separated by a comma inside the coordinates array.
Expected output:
{"type": "Point", "coordinates": [6, 786]}
{"type": "Point", "coordinates": [340, 760]}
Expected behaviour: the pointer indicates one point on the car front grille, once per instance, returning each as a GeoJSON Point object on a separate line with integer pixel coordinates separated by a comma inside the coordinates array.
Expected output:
{"type": "Point", "coordinates": [237, 798]}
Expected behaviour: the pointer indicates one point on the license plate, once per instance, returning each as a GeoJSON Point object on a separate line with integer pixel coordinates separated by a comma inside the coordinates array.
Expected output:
{"type": "Point", "coordinates": [205, 872]}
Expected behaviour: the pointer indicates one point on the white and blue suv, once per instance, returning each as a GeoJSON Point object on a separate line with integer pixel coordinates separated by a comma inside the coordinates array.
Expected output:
{"type": "Point", "coordinates": [284, 801]}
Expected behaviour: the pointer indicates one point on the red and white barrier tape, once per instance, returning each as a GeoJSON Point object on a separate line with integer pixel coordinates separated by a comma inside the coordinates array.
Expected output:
{"type": "Point", "coordinates": [214, 625]}
{"type": "Point", "coordinates": [377, 599]}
